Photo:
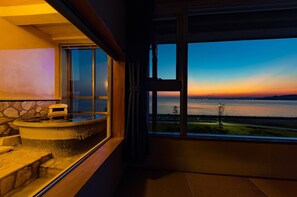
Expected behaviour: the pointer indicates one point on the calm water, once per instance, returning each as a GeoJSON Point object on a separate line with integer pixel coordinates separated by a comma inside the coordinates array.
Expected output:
{"type": "Point", "coordinates": [264, 108]}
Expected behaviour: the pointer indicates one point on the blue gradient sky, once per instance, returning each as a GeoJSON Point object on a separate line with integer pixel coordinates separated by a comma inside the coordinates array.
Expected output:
{"type": "Point", "coordinates": [236, 68]}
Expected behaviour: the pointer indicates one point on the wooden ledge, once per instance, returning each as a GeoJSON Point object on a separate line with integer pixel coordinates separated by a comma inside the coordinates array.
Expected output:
{"type": "Point", "coordinates": [77, 178]}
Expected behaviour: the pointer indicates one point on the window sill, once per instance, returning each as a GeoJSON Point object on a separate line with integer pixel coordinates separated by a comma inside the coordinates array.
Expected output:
{"type": "Point", "coordinates": [82, 172]}
{"type": "Point", "coordinates": [235, 138]}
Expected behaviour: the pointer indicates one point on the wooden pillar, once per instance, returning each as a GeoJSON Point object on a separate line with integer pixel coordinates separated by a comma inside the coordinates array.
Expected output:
{"type": "Point", "coordinates": [118, 99]}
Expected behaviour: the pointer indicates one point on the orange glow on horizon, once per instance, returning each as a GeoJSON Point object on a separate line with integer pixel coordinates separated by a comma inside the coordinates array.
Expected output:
{"type": "Point", "coordinates": [262, 84]}
{"type": "Point", "coordinates": [229, 90]}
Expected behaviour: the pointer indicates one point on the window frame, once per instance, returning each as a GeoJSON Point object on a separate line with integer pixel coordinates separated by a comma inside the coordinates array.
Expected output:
{"type": "Point", "coordinates": [69, 98]}
{"type": "Point", "coordinates": [183, 38]}
{"type": "Point", "coordinates": [180, 83]}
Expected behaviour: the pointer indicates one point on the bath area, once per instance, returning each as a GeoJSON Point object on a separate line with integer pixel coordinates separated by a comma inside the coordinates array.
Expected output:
{"type": "Point", "coordinates": [62, 136]}
{"type": "Point", "coordinates": [46, 61]}
{"type": "Point", "coordinates": [34, 149]}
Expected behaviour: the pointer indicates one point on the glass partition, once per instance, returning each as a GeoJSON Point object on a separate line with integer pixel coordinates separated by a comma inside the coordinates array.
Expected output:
{"type": "Point", "coordinates": [41, 139]}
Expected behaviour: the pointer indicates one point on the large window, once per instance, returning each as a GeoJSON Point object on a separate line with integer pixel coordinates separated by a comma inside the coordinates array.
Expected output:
{"type": "Point", "coordinates": [244, 88]}
{"type": "Point", "coordinates": [85, 80]}
{"type": "Point", "coordinates": [235, 88]}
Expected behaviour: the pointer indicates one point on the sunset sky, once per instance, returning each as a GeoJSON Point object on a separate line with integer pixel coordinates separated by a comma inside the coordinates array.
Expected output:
{"type": "Point", "coordinates": [236, 68]}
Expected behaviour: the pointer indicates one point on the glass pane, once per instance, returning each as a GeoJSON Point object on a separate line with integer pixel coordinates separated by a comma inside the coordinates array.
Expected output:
{"type": "Point", "coordinates": [166, 61]}
{"type": "Point", "coordinates": [101, 105]}
{"type": "Point", "coordinates": [82, 105]}
{"type": "Point", "coordinates": [101, 73]}
{"type": "Point", "coordinates": [81, 75]}
{"type": "Point", "coordinates": [168, 110]}
{"type": "Point", "coordinates": [243, 88]}
{"type": "Point", "coordinates": [61, 146]}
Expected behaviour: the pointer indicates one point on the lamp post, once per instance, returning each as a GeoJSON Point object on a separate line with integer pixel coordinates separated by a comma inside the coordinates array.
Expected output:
{"type": "Point", "coordinates": [221, 109]}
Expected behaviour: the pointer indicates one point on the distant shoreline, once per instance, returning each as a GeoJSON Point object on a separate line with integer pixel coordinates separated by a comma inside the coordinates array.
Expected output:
{"type": "Point", "coordinates": [261, 108]}
{"type": "Point", "coordinates": [276, 97]}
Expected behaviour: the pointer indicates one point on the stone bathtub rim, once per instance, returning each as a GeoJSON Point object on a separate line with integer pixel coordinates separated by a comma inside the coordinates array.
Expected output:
{"type": "Point", "coordinates": [23, 123]}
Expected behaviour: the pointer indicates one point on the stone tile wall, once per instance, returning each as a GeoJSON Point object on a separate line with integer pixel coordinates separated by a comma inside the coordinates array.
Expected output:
{"type": "Point", "coordinates": [9, 111]}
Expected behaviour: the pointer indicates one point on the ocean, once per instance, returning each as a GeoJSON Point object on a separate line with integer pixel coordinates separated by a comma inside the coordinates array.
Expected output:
{"type": "Point", "coordinates": [232, 107]}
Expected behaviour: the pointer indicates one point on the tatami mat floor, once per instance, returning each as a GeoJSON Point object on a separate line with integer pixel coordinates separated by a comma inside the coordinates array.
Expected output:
{"type": "Point", "coordinates": [153, 183]}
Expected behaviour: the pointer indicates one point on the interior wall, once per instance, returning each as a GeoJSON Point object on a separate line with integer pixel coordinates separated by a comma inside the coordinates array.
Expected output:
{"type": "Point", "coordinates": [254, 159]}
{"type": "Point", "coordinates": [29, 63]}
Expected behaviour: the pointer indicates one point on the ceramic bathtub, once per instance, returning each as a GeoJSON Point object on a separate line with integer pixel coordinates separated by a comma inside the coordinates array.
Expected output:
{"type": "Point", "coordinates": [73, 134]}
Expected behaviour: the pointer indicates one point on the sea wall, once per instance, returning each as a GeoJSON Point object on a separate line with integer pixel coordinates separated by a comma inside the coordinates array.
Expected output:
{"type": "Point", "coordinates": [11, 110]}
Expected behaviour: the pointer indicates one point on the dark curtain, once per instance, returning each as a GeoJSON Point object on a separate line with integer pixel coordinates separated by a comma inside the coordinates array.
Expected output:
{"type": "Point", "coordinates": [139, 19]}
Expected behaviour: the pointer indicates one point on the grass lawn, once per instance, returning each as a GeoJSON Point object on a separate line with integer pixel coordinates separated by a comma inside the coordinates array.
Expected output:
{"type": "Point", "coordinates": [212, 127]}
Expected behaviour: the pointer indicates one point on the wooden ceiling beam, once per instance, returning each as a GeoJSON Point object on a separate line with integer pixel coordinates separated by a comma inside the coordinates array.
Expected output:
{"type": "Point", "coordinates": [32, 14]}
{"type": "Point", "coordinates": [37, 19]}
{"type": "Point", "coordinates": [44, 18]}
{"type": "Point", "coordinates": [22, 10]}
{"type": "Point", "coordinates": [20, 2]}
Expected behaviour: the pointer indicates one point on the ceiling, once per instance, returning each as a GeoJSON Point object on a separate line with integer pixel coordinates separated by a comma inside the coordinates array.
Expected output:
{"type": "Point", "coordinates": [39, 14]}
{"type": "Point", "coordinates": [19, 2]}
{"type": "Point", "coordinates": [172, 7]}
{"type": "Point", "coordinates": [222, 20]}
